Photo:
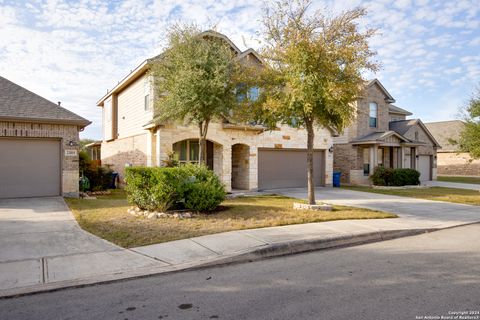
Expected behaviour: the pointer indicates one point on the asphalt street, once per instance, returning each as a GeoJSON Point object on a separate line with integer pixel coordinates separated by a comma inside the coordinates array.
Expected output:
{"type": "Point", "coordinates": [421, 277]}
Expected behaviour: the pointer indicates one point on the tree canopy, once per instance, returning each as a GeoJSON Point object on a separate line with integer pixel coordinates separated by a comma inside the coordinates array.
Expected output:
{"type": "Point", "coordinates": [194, 80]}
{"type": "Point", "coordinates": [315, 65]}
{"type": "Point", "coordinates": [470, 137]}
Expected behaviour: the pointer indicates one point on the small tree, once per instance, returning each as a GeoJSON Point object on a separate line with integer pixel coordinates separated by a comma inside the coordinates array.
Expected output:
{"type": "Point", "coordinates": [315, 65]}
{"type": "Point", "coordinates": [194, 80]}
{"type": "Point", "coordinates": [470, 137]}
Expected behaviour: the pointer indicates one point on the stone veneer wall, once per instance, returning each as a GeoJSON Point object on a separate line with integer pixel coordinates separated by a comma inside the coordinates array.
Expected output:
{"type": "Point", "coordinates": [457, 164]}
{"type": "Point", "coordinates": [118, 153]}
{"type": "Point", "coordinates": [224, 139]}
{"type": "Point", "coordinates": [65, 133]}
{"type": "Point", "coordinates": [240, 166]}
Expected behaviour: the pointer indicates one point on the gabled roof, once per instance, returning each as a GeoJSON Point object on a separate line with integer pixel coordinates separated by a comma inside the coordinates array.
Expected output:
{"type": "Point", "coordinates": [395, 109]}
{"type": "Point", "coordinates": [20, 104]}
{"type": "Point", "coordinates": [379, 136]}
{"type": "Point", "coordinates": [372, 82]}
{"type": "Point", "coordinates": [443, 131]}
{"type": "Point", "coordinates": [144, 66]}
{"type": "Point", "coordinates": [403, 126]}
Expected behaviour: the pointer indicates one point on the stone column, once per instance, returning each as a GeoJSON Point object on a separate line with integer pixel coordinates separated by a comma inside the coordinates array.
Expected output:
{"type": "Point", "coordinates": [157, 149]}
{"type": "Point", "coordinates": [373, 157]}
{"type": "Point", "coordinates": [227, 167]}
{"type": "Point", "coordinates": [149, 148]}
{"type": "Point", "coordinates": [253, 168]}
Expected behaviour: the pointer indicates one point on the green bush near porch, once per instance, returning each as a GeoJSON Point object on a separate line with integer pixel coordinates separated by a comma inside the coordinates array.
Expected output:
{"type": "Point", "coordinates": [395, 177]}
{"type": "Point", "coordinates": [192, 187]}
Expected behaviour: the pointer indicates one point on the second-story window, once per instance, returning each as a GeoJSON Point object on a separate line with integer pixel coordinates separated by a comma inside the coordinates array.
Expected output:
{"type": "Point", "coordinates": [147, 104]}
{"type": "Point", "coordinates": [373, 115]}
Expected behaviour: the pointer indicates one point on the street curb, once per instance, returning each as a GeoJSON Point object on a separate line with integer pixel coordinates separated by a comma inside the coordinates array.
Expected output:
{"type": "Point", "coordinates": [250, 255]}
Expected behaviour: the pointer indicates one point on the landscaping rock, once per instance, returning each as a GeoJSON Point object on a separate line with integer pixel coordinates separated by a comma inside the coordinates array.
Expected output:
{"type": "Point", "coordinates": [305, 206]}
{"type": "Point", "coordinates": [151, 215]}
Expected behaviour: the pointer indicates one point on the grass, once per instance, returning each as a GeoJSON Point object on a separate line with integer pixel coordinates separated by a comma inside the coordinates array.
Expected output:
{"type": "Point", "coordinates": [471, 197]}
{"type": "Point", "coordinates": [471, 180]}
{"type": "Point", "coordinates": [107, 217]}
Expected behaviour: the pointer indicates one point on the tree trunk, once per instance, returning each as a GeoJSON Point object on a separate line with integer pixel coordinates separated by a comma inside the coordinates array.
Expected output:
{"type": "Point", "coordinates": [202, 142]}
{"type": "Point", "coordinates": [310, 180]}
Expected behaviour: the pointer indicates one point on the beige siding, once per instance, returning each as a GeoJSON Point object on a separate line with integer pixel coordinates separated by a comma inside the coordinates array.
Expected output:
{"type": "Point", "coordinates": [131, 110]}
{"type": "Point", "coordinates": [107, 117]}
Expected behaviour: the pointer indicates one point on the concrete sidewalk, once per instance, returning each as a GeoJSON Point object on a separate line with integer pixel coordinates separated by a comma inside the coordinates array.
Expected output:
{"type": "Point", "coordinates": [456, 185]}
{"type": "Point", "coordinates": [415, 216]}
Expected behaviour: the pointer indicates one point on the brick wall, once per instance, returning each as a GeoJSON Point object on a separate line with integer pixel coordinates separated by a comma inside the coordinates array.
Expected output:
{"type": "Point", "coordinates": [65, 133]}
{"type": "Point", "coordinates": [457, 164]}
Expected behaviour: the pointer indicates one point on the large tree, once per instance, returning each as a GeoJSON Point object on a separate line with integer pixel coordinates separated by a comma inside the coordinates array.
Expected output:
{"type": "Point", "coordinates": [470, 137]}
{"type": "Point", "coordinates": [315, 64]}
{"type": "Point", "coordinates": [194, 80]}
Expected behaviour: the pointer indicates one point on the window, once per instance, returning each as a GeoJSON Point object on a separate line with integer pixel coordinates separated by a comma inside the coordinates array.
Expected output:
{"type": "Point", "coordinates": [366, 161]}
{"type": "Point", "coordinates": [146, 103]}
{"type": "Point", "coordinates": [373, 115]}
{"type": "Point", "coordinates": [187, 151]}
{"type": "Point", "coordinates": [253, 93]}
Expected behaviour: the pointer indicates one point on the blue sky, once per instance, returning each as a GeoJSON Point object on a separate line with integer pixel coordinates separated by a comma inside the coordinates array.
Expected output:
{"type": "Point", "coordinates": [73, 51]}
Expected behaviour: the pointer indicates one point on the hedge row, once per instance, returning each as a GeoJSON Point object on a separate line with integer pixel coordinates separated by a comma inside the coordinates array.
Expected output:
{"type": "Point", "coordinates": [394, 177]}
{"type": "Point", "coordinates": [190, 186]}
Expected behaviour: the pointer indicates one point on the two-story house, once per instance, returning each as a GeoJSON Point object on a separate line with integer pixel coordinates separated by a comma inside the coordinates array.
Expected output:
{"type": "Point", "coordinates": [382, 135]}
{"type": "Point", "coordinates": [246, 157]}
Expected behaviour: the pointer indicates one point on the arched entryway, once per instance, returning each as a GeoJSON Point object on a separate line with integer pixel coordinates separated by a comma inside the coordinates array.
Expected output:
{"type": "Point", "coordinates": [240, 166]}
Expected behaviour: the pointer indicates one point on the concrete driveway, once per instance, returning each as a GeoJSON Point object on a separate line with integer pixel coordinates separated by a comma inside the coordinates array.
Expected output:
{"type": "Point", "coordinates": [441, 214]}
{"type": "Point", "coordinates": [456, 185]}
{"type": "Point", "coordinates": [41, 242]}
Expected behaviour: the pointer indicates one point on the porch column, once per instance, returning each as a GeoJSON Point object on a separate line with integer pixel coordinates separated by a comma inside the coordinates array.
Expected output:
{"type": "Point", "coordinates": [149, 148]}
{"type": "Point", "coordinates": [373, 157]}
{"type": "Point", "coordinates": [253, 168]}
{"type": "Point", "coordinates": [227, 167]}
{"type": "Point", "coordinates": [157, 149]}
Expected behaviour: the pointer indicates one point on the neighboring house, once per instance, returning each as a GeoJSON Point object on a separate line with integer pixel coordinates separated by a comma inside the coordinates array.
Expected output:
{"type": "Point", "coordinates": [245, 157]}
{"type": "Point", "coordinates": [38, 145]}
{"type": "Point", "coordinates": [94, 152]}
{"type": "Point", "coordinates": [382, 136]}
{"type": "Point", "coordinates": [450, 160]}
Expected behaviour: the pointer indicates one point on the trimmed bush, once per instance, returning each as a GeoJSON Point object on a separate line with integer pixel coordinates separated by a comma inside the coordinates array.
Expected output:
{"type": "Point", "coordinates": [99, 178]}
{"type": "Point", "coordinates": [394, 177]}
{"type": "Point", "coordinates": [190, 186]}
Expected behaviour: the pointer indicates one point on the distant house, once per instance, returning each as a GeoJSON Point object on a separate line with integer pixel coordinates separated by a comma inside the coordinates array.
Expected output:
{"type": "Point", "coordinates": [94, 152]}
{"type": "Point", "coordinates": [38, 145]}
{"type": "Point", "coordinates": [381, 135]}
{"type": "Point", "coordinates": [244, 156]}
{"type": "Point", "coordinates": [450, 160]}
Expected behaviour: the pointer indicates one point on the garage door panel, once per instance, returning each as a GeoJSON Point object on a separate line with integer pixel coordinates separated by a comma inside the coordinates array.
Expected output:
{"type": "Point", "coordinates": [29, 168]}
{"type": "Point", "coordinates": [288, 168]}
{"type": "Point", "coordinates": [424, 167]}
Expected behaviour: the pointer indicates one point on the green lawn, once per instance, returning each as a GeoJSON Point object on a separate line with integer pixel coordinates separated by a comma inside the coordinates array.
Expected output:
{"type": "Point", "coordinates": [107, 217]}
{"type": "Point", "coordinates": [472, 180]}
{"type": "Point", "coordinates": [471, 197]}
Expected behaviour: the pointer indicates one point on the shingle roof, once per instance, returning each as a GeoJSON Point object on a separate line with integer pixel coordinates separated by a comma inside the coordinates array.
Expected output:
{"type": "Point", "coordinates": [18, 103]}
{"type": "Point", "coordinates": [379, 135]}
{"type": "Point", "coordinates": [443, 131]}
{"type": "Point", "coordinates": [402, 126]}
{"type": "Point", "coordinates": [395, 109]}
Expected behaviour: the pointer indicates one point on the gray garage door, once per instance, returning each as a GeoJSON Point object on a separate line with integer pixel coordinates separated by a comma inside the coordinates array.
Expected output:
{"type": "Point", "coordinates": [424, 167]}
{"type": "Point", "coordinates": [288, 168]}
{"type": "Point", "coordinates": [29, 168]}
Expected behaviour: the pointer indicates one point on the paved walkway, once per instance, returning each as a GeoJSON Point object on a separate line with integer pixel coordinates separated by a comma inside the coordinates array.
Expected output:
{"type": "Point", "coordinates": [445, 184]}
{"type": "Point", "coordinates": [40, 243]}
{"type": "Point", "coordinates": [98, 261]}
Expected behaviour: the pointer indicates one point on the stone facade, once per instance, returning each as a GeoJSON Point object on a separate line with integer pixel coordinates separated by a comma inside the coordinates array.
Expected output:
{"type": "Point", "coordinates": [457, 164]}
{"type": "Point", "coordinates": [64, 133]}
{"type": "Point", "coordinates": [236, 149]}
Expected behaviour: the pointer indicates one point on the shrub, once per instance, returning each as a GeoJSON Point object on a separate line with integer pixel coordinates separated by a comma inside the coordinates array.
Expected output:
{"type": "Point", "coordinates": [394, 177]}
{"type": "Point", "coordinates": [190, 186]}
{"type": "Point", "coordinates": [99, 178]}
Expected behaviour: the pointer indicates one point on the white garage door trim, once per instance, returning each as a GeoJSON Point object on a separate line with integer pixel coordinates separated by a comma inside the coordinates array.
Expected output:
{"type": "Point", "coordinates": [30, 167]}
{"type": "Point", "coordinates": [290, 168]}
{"type": "Point", "coordinates": [425, 167]}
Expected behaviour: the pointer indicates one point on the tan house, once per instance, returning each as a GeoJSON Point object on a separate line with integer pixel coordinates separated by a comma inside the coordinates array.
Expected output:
{"type": "Point", "coordinates": [450, 160]}
{"type": "Point", "coordinates": [38, 145]}
{"type": "Point", "coordinates": [245, 157]}
{"type": "Point", "coordinates": [382, 135]}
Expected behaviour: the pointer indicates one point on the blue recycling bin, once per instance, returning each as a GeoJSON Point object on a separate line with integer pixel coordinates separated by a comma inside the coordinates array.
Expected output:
{"type": "Point", "coordinates": [336, 179]}
{"type": "Point", "coordinates": [113, 182]}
